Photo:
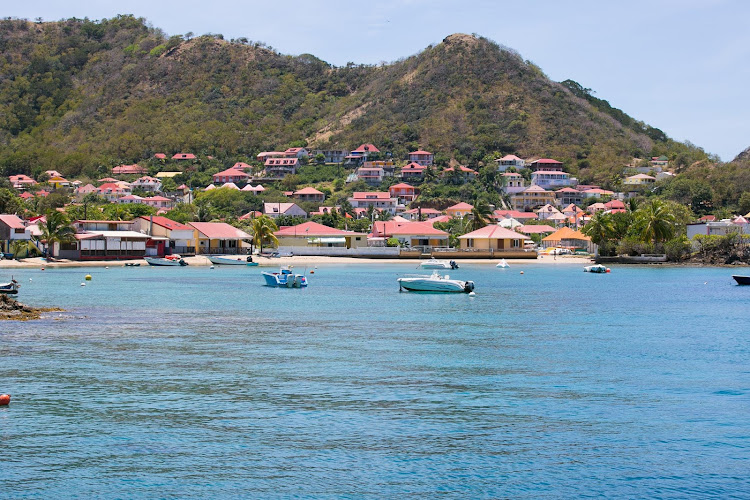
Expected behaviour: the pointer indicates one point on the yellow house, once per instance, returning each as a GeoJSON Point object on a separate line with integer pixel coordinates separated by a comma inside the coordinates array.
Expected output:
{"type": "Point", "coordinates": [459, 210]}
{"type": "Point", "coordinates": [639, 180]}
{"type": "Point", "coordinates": [493, 237]}
{"type": "Point", "coordinates": [218, 238]}
{"type": "Point", "coordinates": [58, 182]}
{"type": "Point", "coordinates": [532, 197]}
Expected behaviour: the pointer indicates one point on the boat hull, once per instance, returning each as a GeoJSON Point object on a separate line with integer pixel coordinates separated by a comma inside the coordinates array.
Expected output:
{"type": "Point", "coordinates": [741, 280]}
{"type": "Point", "coordinates": [435, 285]}
{"type": "Point", "coordinates": [438, 264]}
{"type": "Point", "coordinates": [158, 261]}
{"type": "Point", "coordinates": [225, 260]}
{"type": "Point", "coordinates": [9, 288]}
{"type": "Point", "coordinates": [284, 280]}
{"type": "Point", "coordinates": [597, 269]}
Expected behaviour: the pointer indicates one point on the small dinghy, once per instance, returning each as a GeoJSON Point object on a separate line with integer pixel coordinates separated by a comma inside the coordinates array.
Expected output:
{"type": "Point", "coordinates": [502, 264]}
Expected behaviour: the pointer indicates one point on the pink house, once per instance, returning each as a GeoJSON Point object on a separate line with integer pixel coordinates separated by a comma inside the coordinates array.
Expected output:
{"type": "Point", "coordinates": [420, 157]}
{"type": "Point", "coordinates": [459, 210]}
{"type": "Point", "coordinates": [183, 156]}
{"type": "Point", "coordinates": [547, 164]}
{"type": "Point", "coordinates": [129, 170]}
{"type": "Point", "coordinates": [230, 175]}
{"type": "Point", "coordinates": [406, 193]}
{"type": "Point", "coordinates": [309, 194]}
{"type": "Point", "coordinates": [22, 181]}
{"type": "Point", "coordinates": [464, 172]}
{"type": "Point", "coordinates": [413, 171]}
{"type": "Point", "coordinates": [278, 168]}
{"type": "Point", "coordinates": [112, 192]}
{"type": "Point", "coordinates": [376, 199]}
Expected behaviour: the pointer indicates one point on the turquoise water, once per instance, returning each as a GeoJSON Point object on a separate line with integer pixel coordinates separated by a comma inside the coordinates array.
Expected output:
{"type": "Point", "coordinates": [193, 382]}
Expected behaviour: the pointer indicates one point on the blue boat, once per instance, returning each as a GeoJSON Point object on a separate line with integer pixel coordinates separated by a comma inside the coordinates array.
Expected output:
{"type": "Point", "coordinates": [285, 279]}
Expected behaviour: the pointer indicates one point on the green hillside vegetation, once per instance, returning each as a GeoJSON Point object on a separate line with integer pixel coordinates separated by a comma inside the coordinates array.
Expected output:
{"type": "Point", "coordinates": [82, 96]}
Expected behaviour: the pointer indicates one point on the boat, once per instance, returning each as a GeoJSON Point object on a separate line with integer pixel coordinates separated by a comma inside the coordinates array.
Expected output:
{"type": "Point", "coordinates": [438, 264]}
{"type": "Point", "coordinates": [502, 264]}
{"type": "Point", "coordinates": [169, 260]}
{"type": "Point", "coordinates": [231, 260]}
{"type": "Point", "coordinates": [435, 283]}
{"type": "Point", "coordinates": [132, 264]}
{"type": "Point", "coordinates": [10, 288]}
{"type": "Point", "coordinates": [741, 280]}
{"type": "Point", "coordinates": [285, 278]}
{"type": "Point", "coordinates": [596, 268]}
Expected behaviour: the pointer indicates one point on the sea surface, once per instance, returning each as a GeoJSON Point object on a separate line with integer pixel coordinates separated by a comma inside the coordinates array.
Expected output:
{"type": "Point", "coordinates": [202, 383]}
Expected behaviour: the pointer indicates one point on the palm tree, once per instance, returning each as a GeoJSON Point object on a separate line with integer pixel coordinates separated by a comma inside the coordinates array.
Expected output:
{"type": "Point", "coordinates": [654, 222]}
{"type": "Point", "coordinates": [23, 248]}
{"type": "Point", "coordinates": [57, 229]}
{"type": "Point", "coordinates": [262, 230]}
{"type": "Point", "coordinates": [480, 216]}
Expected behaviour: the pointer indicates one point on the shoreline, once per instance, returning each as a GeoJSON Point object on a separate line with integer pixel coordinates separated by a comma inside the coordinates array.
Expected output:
{"type": "Point", "coordinates": [298, 260]}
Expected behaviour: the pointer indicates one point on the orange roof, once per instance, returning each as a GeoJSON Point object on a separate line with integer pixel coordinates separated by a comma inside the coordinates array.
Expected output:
{"type": "Point", "coordinates": [565, 233]}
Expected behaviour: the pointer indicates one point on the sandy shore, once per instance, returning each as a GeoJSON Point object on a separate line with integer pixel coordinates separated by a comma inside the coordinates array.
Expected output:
{"type": "Point", "coordinates": [297, 261]}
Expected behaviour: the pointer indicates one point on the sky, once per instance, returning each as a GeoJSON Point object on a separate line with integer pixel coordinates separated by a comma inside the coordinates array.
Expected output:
{"type": "Point", "coordinates": [679, 65]}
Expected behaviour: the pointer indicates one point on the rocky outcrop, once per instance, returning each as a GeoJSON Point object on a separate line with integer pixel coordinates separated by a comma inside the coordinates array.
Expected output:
{"type": "Point", "coordinates": [744, 156]}
{"type": "Point", "coordinates": [13, 310]}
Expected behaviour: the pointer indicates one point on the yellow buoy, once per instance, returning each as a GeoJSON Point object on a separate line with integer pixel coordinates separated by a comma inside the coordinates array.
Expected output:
{"type": "Point", "coordinates": [88, 277]}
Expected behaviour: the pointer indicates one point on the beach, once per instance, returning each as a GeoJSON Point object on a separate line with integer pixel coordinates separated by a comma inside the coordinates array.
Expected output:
{"type": "Point", "coordinates": [297, 260]}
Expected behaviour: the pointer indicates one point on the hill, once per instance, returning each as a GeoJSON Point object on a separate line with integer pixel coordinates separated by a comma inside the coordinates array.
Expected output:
{"type": "Point", "coordinates": [80, 97]}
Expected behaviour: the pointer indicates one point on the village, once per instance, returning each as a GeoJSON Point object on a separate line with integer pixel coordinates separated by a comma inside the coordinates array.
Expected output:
{"type": "Point", "coordinates": [544, 210]}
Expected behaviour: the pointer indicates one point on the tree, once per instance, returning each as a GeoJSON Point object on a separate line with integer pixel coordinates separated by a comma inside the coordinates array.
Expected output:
{"type": "Point", "coordinates": [654, 222]}
{"type": "Point", "coordinates": [262, 230]}
{"type": "Point", "coordinates": [480, 216]}
{"type": "Point", "coordinates": [23, 248]}
{"type": "Point", "coordinates": [57, 229]}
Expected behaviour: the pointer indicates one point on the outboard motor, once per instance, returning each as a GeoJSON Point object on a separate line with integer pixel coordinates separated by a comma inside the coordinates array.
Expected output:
{"type": "Point", "coordinates": [453, 264]}
{"type": "Point", "coordinates": [469, 287]}
{"type": "Point", "coordinates": [249, 258]}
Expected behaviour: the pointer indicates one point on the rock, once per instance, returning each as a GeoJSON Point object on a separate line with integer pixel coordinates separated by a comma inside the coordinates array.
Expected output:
{"type": "Point", "coordinates": [11, 309]}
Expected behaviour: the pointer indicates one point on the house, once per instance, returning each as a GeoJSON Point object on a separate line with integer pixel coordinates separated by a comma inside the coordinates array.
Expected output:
{"type": "Point", "coordinates": [410, 234]}
{"type": "Point", "coordinates": [147, 183]}
{"type": "Point", "coordinates": [376, 199]}
{"type": "Point", "coordinates": [459, 210]}
{"type": "Point", "coordinates": [255, 190]}
{"type": "Point", "coordinates": [510, 161]}
{"type": "Point", "coordinates": [615, 206]}
{"type": "Point", "coordinates": [569, 238]}
{"type": "Point", "coordinates": [309, 194]}
{"type": "Point", "coordinates": [218, 238]}
{"type": "Point", "coordinates": [513, 182]}
{"type": "Point", "coordinates": [21, 181]}
{"type": "Point", "coordinates": [597, 207]}
{"type": "Point", "coordinates": [493, 237]}
{"type": "Point", "coordinates": [550, 179]}
{"type": "Point", "coordinates": [420, 157]}
{"type": "Point", "coordinates": [159, 202]}
{"type": "Point", "coordinates": [112, 191]}
{"type": "Point", "coordinates": [413, 172]}
{"type": "Point", "coordinates": [167, 175]}
{"type": "Point", "coordinates": [639, 180]}
{"type": "Point", "coordinates": [371, 175]}
{"type": "Point", "coordinates": [183, 157]}
{"type": "Point", "coordinates": [166, 236]}
{"type": "Point", "coordinates": [160, 156]}
{"type": "Point", "coordinates": [230, 175]}
{"type": "Point", "coordinates": [417, 214]}
{"type": "Point", "coordinates": [597, 193]}
{"type": "Point", "coordinates": [547, 211]}
{"type": "Point", "coordinates": [129, 170]}
{"type": "Point", "coordinates": [26, 196]}
{"type": "Point", "coordinates": [103, 240]}
{"type": "Point", "coordinates": [568, 196]}
{"type": "Point", "coordinates": [515, 214]}
{"type": "Point", "coordinates": [262, 157]}
{"type": "Point", "coordinates": [52, 173]}
{"type": "Point", "coordinates": [314, 234]}
{"type": "Point", "coordinates": [331, 155]}
{"type": "Point", "coordinates": [295, 153]}
{"type": "Point", "coordinates": [58, 182]}
{"type": "Point", "coordinates": [659, 161]}
{"type": "Point", "coordinates": [546, 164]}
{"type": "Point", "coordinates": [536, 229]}
{"type": "Point", "coordinates": [464, 173]}
{"type": "Point", "coordinates": [12, 229]}
{"type": "Point", "coordinates": [82, 191]}
{"type": "Point", "coordinates": [276, 209]}
{"type": "Point", "coordinates": [361, 153]}
{"type": "Point", "coordinates": [715, 228]}
{"type": "Point", "coordinates": [405, 193]}
{"type": "Point", "coordinates": [532, 197]}
{"type": "Point", "coordinates": [278, 168]}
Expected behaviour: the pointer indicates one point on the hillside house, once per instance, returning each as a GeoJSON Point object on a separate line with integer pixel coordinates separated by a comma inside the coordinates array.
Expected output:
{"type": "Point", "coordinates": [405, 193]}
{"type": "Point", "coordinates": [413, 172]}
{"type": "Point", "coordinates": [278, 168]}
{"type": "Point", "coordinates": [361, 154]}
{"type": "Point", "coordinates": [513, 182]}
{"type": "Point", "coordinates": [146, 183]}
{"type": "Point", "coordinates": [420, 157]}
{"type": "Point", "coordinates": [332, 155]}
{"type": "Point", "coordinates": [21, 181]}
{"type": "Point", "coordinates": [309, 194]}
{"type": "Point", "coordinates": [639, 180]}
{"type": "Point", "coordinates": [184, 157]}
{"type": "Point", "coordinates": [129, 170]}
{"type": "Point", "coordinates": [546, 164]}
{"type": "Point", "coordinates": [459, 210]}
{"type": "Point", "coordinates": [274, 210]}
{"type": "Point", "coordinates": [376, 199]}
{"type": "Point", "coordinates": [531, 198]}
{"type": "Point", "coordinates": [508, 161]}
{"type": "Point", "coordinates": [462, 172]}
{"type": "Point", "coordinates": [552, 179]}
{"type": "Point", "coordinates": [230, 175]}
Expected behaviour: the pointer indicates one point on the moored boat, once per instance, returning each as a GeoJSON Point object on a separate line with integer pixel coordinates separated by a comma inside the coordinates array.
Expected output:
{"type": "Point", "coordinates": [502, 264]}
{"type": "Point", "coordinates": [10, 288]}
{"type": "Point", "coordinates": [438, 264]}
{"type": "Point", "coordinates": [596, 268]}
{"type": "Point", "coordinates": [285, 278]}
{"type": "Point", "coordinates": [741, 280]}
{"type": "Point", "coordinates": [435, 283]}
{"type": "Point", "coordinates": [169, 260]}
{"type": "Point", "coordinates": [231, 260]}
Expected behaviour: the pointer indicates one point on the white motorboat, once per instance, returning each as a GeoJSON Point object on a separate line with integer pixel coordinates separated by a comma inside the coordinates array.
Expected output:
{"type": "Point", "coordinates": [596, 268]}
{"type": "Point", "coordinates": [435, 283]}
{"type": "Point", "coordinates": [502, 264]}
{"type": "Point", "coordinates": [439, 264]}
{"type": "Point", "coordinates": [10, 288]}
{"type": "Point", "coordinates": [285, 279]}
{"type": "Point", "coordinates": [169, 260]}
{"type": "Point", "coordinates": [231, 260]}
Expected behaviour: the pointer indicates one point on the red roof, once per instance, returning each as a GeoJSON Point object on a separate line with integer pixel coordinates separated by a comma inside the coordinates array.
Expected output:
{"type": "Point", "coordinates": [707, 218]}
{"type": "Point", "coordinates": [184, 156]}
{"type": "Point", "coordinates": [462, 168]}
{"type": "Point", "coordinates": [420, 152]}
{"type": "Point", "coordinates": [413, 167]}
{"type": "Point", "coordinates": [366, 148]}
{"type": "Point", "coordinates": [26, 195]}
{"type": "Point", "coordinates": [129, 169]}
{"type": "Point", "coordinates": [371, 195]}
{"type": "Point", "coordinates": [614, 204]}
{"type": "Point", "coordinates": [311, 229]}
{"type": "Point", "coordinates": [536, 229]}
{"type": "Point", "coordinates": [308, 190]}
{"type": "Point", "coordinates": [515, 214]}
{"type": "Point", "coordinates": [231, 172]}
{"type": "Point", "coordinates": [167, 223]}
{"type": "Point", "coordinates": [394, 228]}
{"type": "Point", "coordinates": [160, 156]}
{"type": "Point", "coordinates": [219, 230]}
{"type": "Point", "coordinates": [12, 221]}
{"type": "Point", "coordinates": [461, 206]}
{"type": "Point", "coordinates": [425, 211]}
{"type": "Point", "coordinates": [548, 161]}
{"type": "Point", "coordinates": [401, 185]}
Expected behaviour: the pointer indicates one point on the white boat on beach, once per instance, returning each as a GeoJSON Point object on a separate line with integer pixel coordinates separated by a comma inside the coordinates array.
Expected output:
{"type": "Point", "coordinates": [169, 260]}
{"type": "Point", "coordinates": [231, 260]}
{"type": "Point", "coordinates": [435, 283]}
{"type": "Point", "coordinates": [285, 279]}
{"type": "Point", "coordinates": [502, 264]}
{"type": "Point", "coordinates": [438, 264]}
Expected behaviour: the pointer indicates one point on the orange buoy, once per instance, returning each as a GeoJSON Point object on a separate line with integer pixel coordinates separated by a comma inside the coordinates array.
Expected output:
{"type": "Point", "coordinates": [607, 269]}
{"type": "Point", "coordinates": [42, 269]}
{"type": "Point", "coordinates": [4, 399]}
